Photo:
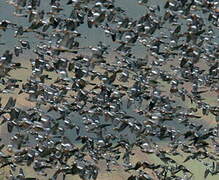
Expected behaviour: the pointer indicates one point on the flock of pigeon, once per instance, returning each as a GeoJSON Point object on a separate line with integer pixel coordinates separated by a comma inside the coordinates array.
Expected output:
{"type": "Point", "coordinates": [104, 101]}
